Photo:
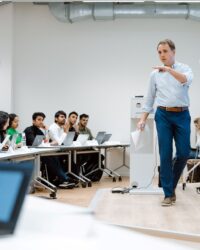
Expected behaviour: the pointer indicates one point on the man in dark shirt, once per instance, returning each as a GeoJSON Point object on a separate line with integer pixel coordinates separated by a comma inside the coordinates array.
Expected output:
{"type": "Point", "coordinates": [82, 126]}
{"type": "Point", "coordinates": [72, 119]}
{"type": "Point", "coordinates": [55, 171]}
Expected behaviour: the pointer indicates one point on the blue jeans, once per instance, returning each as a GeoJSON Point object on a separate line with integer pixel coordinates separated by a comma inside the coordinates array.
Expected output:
{"type": "Point", "coordinates": [172, 125]}
{"type": "Point", "coordinates": [54, 169]}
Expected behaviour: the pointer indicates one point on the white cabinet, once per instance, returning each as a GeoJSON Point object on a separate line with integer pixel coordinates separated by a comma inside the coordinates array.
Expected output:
{"type": "Point", "coordinates": [142, 161]}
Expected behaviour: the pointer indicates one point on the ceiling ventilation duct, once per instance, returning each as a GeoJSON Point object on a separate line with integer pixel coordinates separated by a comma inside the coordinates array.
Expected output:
{"type": "Point", "coordinates": [72, 12]}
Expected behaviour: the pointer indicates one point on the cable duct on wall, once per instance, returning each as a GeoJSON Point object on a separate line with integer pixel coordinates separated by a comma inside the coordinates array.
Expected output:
{"type": "Point", "coordinates": [77, 11]}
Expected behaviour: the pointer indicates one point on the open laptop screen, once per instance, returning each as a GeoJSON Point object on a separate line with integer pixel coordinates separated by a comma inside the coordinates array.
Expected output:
{"type": "Point", "coordinates": [38, 140]}
{"type": "Point", "coordinates": [8, 181]}
{"type": "Point", "coordinates": [69, 138]}
{"type": "Point", "coordinates": [106, 138]}
{"type": "Point", "coordinates": [100, 136]}
{"type": "Point", "coordinates": [14, 181]}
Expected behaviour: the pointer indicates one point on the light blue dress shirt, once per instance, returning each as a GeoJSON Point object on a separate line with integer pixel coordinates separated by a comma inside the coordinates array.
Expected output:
{"type": "Point", "coordinates": [166, 91]}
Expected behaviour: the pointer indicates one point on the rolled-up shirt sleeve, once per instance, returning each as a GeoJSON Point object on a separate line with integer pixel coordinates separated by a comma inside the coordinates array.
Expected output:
{"type": "Point", "coordinates": [149, 102]}
{"type": "Point", "coordinates": [189, 75]}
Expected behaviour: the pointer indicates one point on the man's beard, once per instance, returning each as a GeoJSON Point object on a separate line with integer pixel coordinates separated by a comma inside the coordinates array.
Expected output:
{"type": "Point", "coordinates": [61, 123]}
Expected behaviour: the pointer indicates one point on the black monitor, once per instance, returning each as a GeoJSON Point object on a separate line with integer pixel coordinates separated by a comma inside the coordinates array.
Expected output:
{"type": "Point", "coordinates": [14, 181]}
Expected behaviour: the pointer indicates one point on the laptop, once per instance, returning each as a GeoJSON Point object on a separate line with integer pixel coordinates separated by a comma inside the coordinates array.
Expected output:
{"type": "Point", "coordinates": [14, 182]}
{"type": "Point", "coordinates": [106, 138]}
{"type": "Point", "coordinates": [82, 138]}
{"type": "Point", "coordinates": [69, 138]}
{"type": "Point", "coordinates": [38, 140]}
{"type": "Point", "coordinates": [100, 136]}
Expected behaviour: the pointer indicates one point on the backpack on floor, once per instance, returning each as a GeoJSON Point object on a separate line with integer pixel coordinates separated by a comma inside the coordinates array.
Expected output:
{"type": "Point", "coordinates": [90, 163]}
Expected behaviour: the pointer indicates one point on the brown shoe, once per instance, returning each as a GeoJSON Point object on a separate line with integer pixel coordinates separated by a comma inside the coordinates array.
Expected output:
{"type": "Point", "coordinates": [173, 198]}
{"type": "Point", "coordinates": [166, 202]}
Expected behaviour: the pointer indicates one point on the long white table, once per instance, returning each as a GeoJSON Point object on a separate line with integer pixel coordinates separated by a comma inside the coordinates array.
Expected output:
{"type": "Point", "coordinates": [31, 153]}
{"type": "Point", "coordinates": [77, 150]}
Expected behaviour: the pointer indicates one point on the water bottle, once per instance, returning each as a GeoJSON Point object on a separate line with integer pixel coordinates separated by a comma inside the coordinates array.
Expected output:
{"type": "Point", "coordinates": [23, 139]}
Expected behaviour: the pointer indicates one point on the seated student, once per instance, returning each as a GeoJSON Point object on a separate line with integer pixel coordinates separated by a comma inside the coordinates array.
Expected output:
{"type": "Point", "coordinates": [90, 161]}
{"type": "Point", "coordinates": [72, 119]}
{"type": "Point", "coordinates": [82, 126]}
{"type": "Point", "coordinates": [55, 171]}
{"type": "Point", "coordinates": [58, 130]}
{"type": "Point", "coordinates": [11, 130]}
{"type": "Point", "coordinates": [4, 122]}
{"type": "Point", "coordinates": [57, 133]}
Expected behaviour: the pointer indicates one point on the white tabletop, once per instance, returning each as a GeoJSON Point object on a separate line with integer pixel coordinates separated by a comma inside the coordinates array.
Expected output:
{"type": "Point", "coordinates": [49, 225]}
{"type": "Point", "coordinates": [22, 152]}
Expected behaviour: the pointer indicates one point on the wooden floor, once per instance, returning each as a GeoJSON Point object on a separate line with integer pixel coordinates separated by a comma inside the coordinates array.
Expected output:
{"type": "Point", "coordinates": [83, 196]}
{"type": "Point", "coordinates": [179, 223]}
{"type": "Point", "coordinates": [145, 211]}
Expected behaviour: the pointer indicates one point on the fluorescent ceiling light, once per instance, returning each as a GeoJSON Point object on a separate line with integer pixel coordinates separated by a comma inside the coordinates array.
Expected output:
{"type": "Point", "coordinates": [177, 1]}
{"type": "Point", "coordinates": [139, 1]}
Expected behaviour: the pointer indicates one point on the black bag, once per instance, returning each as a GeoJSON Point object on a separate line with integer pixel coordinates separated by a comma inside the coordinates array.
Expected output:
{"type": "Point", "coordinates": [96, 175]}
{"type": "Point", "coordinates": [90, 163]}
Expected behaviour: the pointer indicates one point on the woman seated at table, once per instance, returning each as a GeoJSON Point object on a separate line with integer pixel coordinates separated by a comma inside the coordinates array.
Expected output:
{"type": "Point", "coordinates": [4, 122]}
{"type": "Point", "coordinates": [11, 130]}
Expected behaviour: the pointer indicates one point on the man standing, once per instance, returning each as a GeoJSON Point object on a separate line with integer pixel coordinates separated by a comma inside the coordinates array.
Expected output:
{"type": "Point", "coordinates": [168, 87]}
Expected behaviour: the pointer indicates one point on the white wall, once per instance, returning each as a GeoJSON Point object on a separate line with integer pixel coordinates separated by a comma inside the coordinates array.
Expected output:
{"type": "Point", "coordinates": [6, 32]}
{"type": "Point", "coordinates": [93, 67]}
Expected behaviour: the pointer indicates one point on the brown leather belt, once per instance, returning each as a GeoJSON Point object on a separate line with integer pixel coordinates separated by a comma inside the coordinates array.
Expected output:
{"type": "Point", "coordinates": [174, 109]}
